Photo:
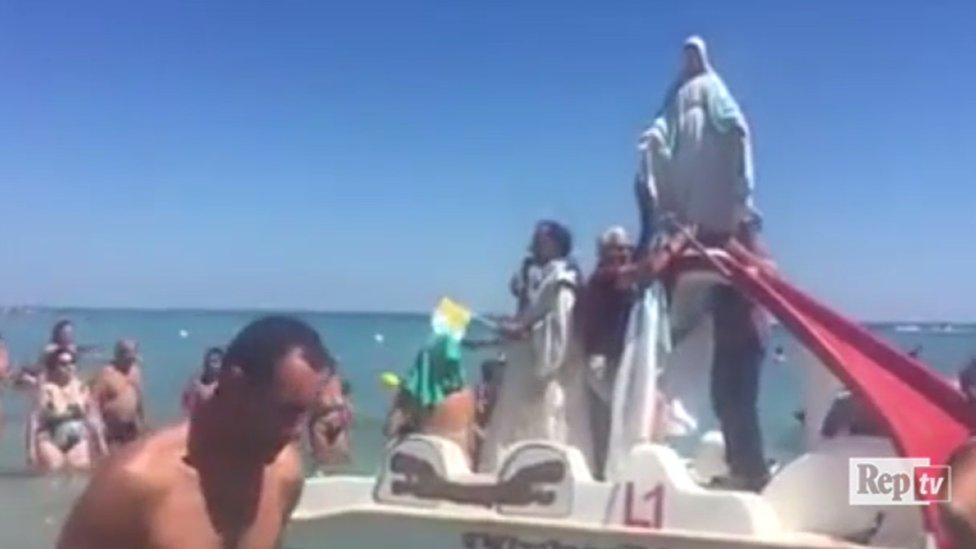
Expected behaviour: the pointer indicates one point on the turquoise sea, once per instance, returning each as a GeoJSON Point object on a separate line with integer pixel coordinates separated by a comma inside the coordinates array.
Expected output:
{"type": "Point", "coordinates": [172, 343]}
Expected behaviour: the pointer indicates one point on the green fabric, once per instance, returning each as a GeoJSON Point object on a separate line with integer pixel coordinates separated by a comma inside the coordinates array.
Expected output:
{"type": "Point", "coordinates": [436, 372]}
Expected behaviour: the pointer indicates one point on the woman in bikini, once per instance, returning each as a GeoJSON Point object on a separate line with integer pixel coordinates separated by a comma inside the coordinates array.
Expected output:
{"type": "Point", "coordinates": [63, 430]}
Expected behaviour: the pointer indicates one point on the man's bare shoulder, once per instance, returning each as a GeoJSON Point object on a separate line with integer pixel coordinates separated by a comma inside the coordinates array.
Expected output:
{"type": "Point", "coordinates": [289, 477]}
{"type": "Point", "coordinates": [104, 371]}
{"type": "Point", "coordinates": [114, 507]}
{"type": "Point", "coordinates": [147, 465]}
{"type": "Point", "coordinates": [287, 467]}
{"type": "Point", "coordinates": [104, 375]}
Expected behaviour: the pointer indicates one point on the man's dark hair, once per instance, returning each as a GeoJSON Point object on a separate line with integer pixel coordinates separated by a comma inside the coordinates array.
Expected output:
{"type": "Point", "coordinates": [257, 348]}
{"type": "Point", "coordinates": [59, 326]}
{"type": "Point", "coordinates": [560, 234]}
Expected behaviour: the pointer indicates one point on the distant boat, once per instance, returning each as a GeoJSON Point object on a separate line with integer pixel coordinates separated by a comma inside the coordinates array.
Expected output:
{"type": "Point", "coordinates": [944, 328]}
{"type": "Point", "coordinates": [908, 328]}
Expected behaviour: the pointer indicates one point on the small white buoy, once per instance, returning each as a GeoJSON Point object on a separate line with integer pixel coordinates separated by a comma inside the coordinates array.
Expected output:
{"type": "Point", "coordinates": [184, 334]}
{"type": "Point", "coordinates": [378, 337]}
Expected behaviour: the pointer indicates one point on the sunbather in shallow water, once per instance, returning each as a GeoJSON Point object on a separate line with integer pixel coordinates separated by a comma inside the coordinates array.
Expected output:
{"type": "Point", "coordinates": [62, 433]}
{"type": "Point", "coordinates": [117, 389]}
{"type": "Point", "coordinates": [201, 387]}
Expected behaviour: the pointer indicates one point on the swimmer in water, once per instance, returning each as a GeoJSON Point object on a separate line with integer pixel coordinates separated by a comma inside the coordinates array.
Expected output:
{"type": "Point", "coordinates": [201, 387]}
{"type": "Point", "coordinates": [4, 372]}
{"type": "Point", "coordinates": [848, 415]}
{"type": "Point", "coordinates": [62, 338]}
{"type": "Point", "coordinates": [231, 475]}
{"type": "Point", "coordinates": [117, 388]}
{"type": "Point", "coordinates": [967, 381]}
{"type": "Point", "coordinates": [329, 425]}
{"type": "Point", "coordinates": [62, 429]}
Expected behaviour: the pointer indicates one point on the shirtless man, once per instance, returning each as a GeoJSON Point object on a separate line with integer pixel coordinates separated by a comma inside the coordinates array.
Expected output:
{"type": "Point", "coordinates": [231, 475]}
{"type": "Point", "coordinates": [117, 389]}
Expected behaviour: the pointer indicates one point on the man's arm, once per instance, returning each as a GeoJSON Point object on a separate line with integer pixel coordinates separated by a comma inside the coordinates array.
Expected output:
{"type": "Point", "coordinates": [110, 513]}
{"type": "Point", "coordinates": [141, 410]}
{"type": "Point", "coordinates": [292, 481]}
{"type": "Point", "coordinates": [96, 386]}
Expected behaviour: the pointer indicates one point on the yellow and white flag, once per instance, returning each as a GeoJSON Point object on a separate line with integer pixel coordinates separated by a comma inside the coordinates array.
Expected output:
{"type": "Point", "coordinates": [450, 318]}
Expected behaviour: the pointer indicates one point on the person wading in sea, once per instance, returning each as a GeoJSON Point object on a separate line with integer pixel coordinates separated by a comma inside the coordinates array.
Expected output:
{"type": "Point", "coordinates": [63, 430]}
{"type": "Point", "coordinates": [117, 389]}
{"type": "Point", "coordinates": [62, 338]}
{"type": "Point", "coordinates": [231, 475]}
{"type": "Point", "coordinates": [201, 387]}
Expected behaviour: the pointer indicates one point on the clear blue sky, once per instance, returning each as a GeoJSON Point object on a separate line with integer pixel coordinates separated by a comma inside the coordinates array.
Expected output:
{"type": "Point", "coordinates": [375, 156]}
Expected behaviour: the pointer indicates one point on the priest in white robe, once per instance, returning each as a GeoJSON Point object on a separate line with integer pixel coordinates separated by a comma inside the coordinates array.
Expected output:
{"type": "Point", "coordinates": [542, 394]}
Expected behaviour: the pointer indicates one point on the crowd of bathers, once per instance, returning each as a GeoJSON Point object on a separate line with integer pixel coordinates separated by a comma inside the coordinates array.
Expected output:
{"type": "Point", "coordinates": [74, 420]}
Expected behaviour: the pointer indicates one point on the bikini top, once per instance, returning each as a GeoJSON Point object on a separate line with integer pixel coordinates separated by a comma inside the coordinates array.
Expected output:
{"type": "Point", "coordinates": [60, 402]}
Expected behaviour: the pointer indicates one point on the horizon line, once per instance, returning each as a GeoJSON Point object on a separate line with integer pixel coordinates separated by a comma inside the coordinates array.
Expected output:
{"type": "Point", "coordinates": [6, 309]}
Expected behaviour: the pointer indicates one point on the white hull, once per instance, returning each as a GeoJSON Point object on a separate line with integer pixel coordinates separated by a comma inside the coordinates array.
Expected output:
{"type": "Point", "coordinates": [542, 495]}
{"type": "Point", "coordinates": [656, 504]}
{"type": "Point", "coordinates": [378, 526]}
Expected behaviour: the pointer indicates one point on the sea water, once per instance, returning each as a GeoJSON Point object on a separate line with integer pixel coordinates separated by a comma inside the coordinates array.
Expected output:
{"type": "Point", "coordinates": [366, 344]}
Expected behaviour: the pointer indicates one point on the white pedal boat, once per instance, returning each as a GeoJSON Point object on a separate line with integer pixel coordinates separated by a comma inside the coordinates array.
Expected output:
{"type": "Point", "coordinates": [544, 496]}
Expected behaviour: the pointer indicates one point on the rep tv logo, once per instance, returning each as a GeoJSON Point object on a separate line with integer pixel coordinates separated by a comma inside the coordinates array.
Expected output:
{"type": "Point", "coordinates": [897, 481]}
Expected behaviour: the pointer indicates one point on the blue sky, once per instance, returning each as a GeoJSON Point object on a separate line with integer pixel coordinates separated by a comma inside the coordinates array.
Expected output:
{"type": "Point", "coordinates": [375, 156]}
